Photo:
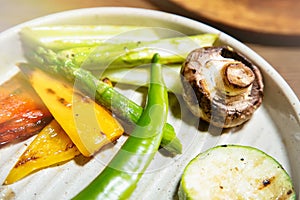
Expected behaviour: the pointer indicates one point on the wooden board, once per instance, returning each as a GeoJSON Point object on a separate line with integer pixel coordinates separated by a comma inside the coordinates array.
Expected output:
{"type": "Point", "coordinates": [266, 16]}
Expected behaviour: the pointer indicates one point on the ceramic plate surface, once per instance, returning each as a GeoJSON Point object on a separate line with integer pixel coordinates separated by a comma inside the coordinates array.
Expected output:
{"type": "Point", "coordinates": [274, 128]}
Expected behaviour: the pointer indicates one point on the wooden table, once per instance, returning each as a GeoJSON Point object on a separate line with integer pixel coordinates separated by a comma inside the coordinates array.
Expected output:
{"type": "Point", "coordinates": [285, 59]}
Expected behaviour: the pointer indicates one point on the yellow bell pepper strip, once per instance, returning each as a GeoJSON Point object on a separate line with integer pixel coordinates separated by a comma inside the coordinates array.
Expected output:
{"type": "Point", "coordinates": [88, 124]}
{"type": "Point", "coordinates": [119, 179]}
{"type": "Point", "coordinates": [51, 146]}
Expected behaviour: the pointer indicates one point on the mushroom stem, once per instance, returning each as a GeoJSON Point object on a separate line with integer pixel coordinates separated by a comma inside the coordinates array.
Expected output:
{"type": "Point", "coordinates": [239, 75]}
{"type": "Point", "coordinates": [237, 78]}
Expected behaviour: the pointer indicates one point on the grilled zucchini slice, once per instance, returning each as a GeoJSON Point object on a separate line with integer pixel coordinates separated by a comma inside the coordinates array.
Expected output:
{"type": "Point", "coordinates": [235, 172]}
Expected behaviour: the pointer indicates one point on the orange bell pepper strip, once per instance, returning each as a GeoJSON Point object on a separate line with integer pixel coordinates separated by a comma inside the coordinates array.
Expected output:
{"type": "Point", "coordinates": [22, 112]}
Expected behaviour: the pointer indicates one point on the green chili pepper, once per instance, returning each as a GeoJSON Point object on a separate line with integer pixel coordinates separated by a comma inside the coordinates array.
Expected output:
{"type": "Point", "coordinates": [119, 179]}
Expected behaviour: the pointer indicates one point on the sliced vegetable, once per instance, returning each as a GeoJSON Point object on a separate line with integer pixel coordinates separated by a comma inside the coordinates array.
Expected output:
{"type": "Point", "coordinates": [59, 37]}
{"type": "Point", "coordinates": [172, 50]}
{"type": "Point", "coordinates": [51, 146]}
{"type": "Point", "coordinates": [22, 112]}
{"type": "Point", "coordinates": [88, 124]}
{"type": "Point", "coordinates": [118, 180]}
{"type": "Point", "coordinates": [235, 172]}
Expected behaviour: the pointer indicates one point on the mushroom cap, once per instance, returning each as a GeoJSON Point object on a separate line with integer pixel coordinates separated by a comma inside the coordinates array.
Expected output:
{"type": "Point", "coordinates": [221, 86]}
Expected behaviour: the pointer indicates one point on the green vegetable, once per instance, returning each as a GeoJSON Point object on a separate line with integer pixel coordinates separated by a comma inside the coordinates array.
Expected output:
{"type": "Point", "coordinates": [171, 50]}
{"type": "Point", "coordinates": [58, 37]}
{"type": "Point", "coordinates": [235, 172]}
{"type": "Point", "coordinates": [119, 179]}
{"type": "Point", "coordinates": [139, 76]}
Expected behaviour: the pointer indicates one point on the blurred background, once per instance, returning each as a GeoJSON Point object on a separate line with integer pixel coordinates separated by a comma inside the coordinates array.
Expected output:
{"type": "Point", "coordinates": [271, 28]}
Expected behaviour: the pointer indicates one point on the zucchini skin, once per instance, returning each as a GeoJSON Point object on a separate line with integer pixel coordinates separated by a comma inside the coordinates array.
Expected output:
{"type": "Point", "coordinates": [218, 178]}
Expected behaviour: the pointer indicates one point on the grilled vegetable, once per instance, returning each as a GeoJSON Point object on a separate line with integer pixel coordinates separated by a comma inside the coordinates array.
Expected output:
{"type": "Point", "coordinates": [235, 172]}
{"type": "Point", "coordinates": [88, 124]}
{"type": "Point", "coordinates": [58, 37]}
{"type": "Point", "coordinates": [111, 99]}
{"type": "Point", "coordinates": [221, 86]}
{"type": "Point", "coordinates": [51, 146]}
{"type": "Point", "coordinates": [118, 180]}
{"type": "Point", "coordinates": [172, 50]}
{"type": "Point", "coordinates": [22, 112]}
{"type": "Point", "coordinates": [139, 76]}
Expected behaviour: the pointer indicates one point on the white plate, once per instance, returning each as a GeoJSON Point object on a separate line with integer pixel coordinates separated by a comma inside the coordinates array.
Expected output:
{"type": "Point", "coordinates": [274, 128]}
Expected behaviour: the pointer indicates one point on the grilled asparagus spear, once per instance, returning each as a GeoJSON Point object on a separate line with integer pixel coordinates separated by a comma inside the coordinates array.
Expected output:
{"type": "Point", "coordinates": [58, 37]}
{"type": "Point", "coordinates": [129, 54]}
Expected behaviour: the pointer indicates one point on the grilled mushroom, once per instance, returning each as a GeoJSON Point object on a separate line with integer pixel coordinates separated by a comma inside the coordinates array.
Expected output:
{"type": "Point", "coordinates": [221, 86]}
